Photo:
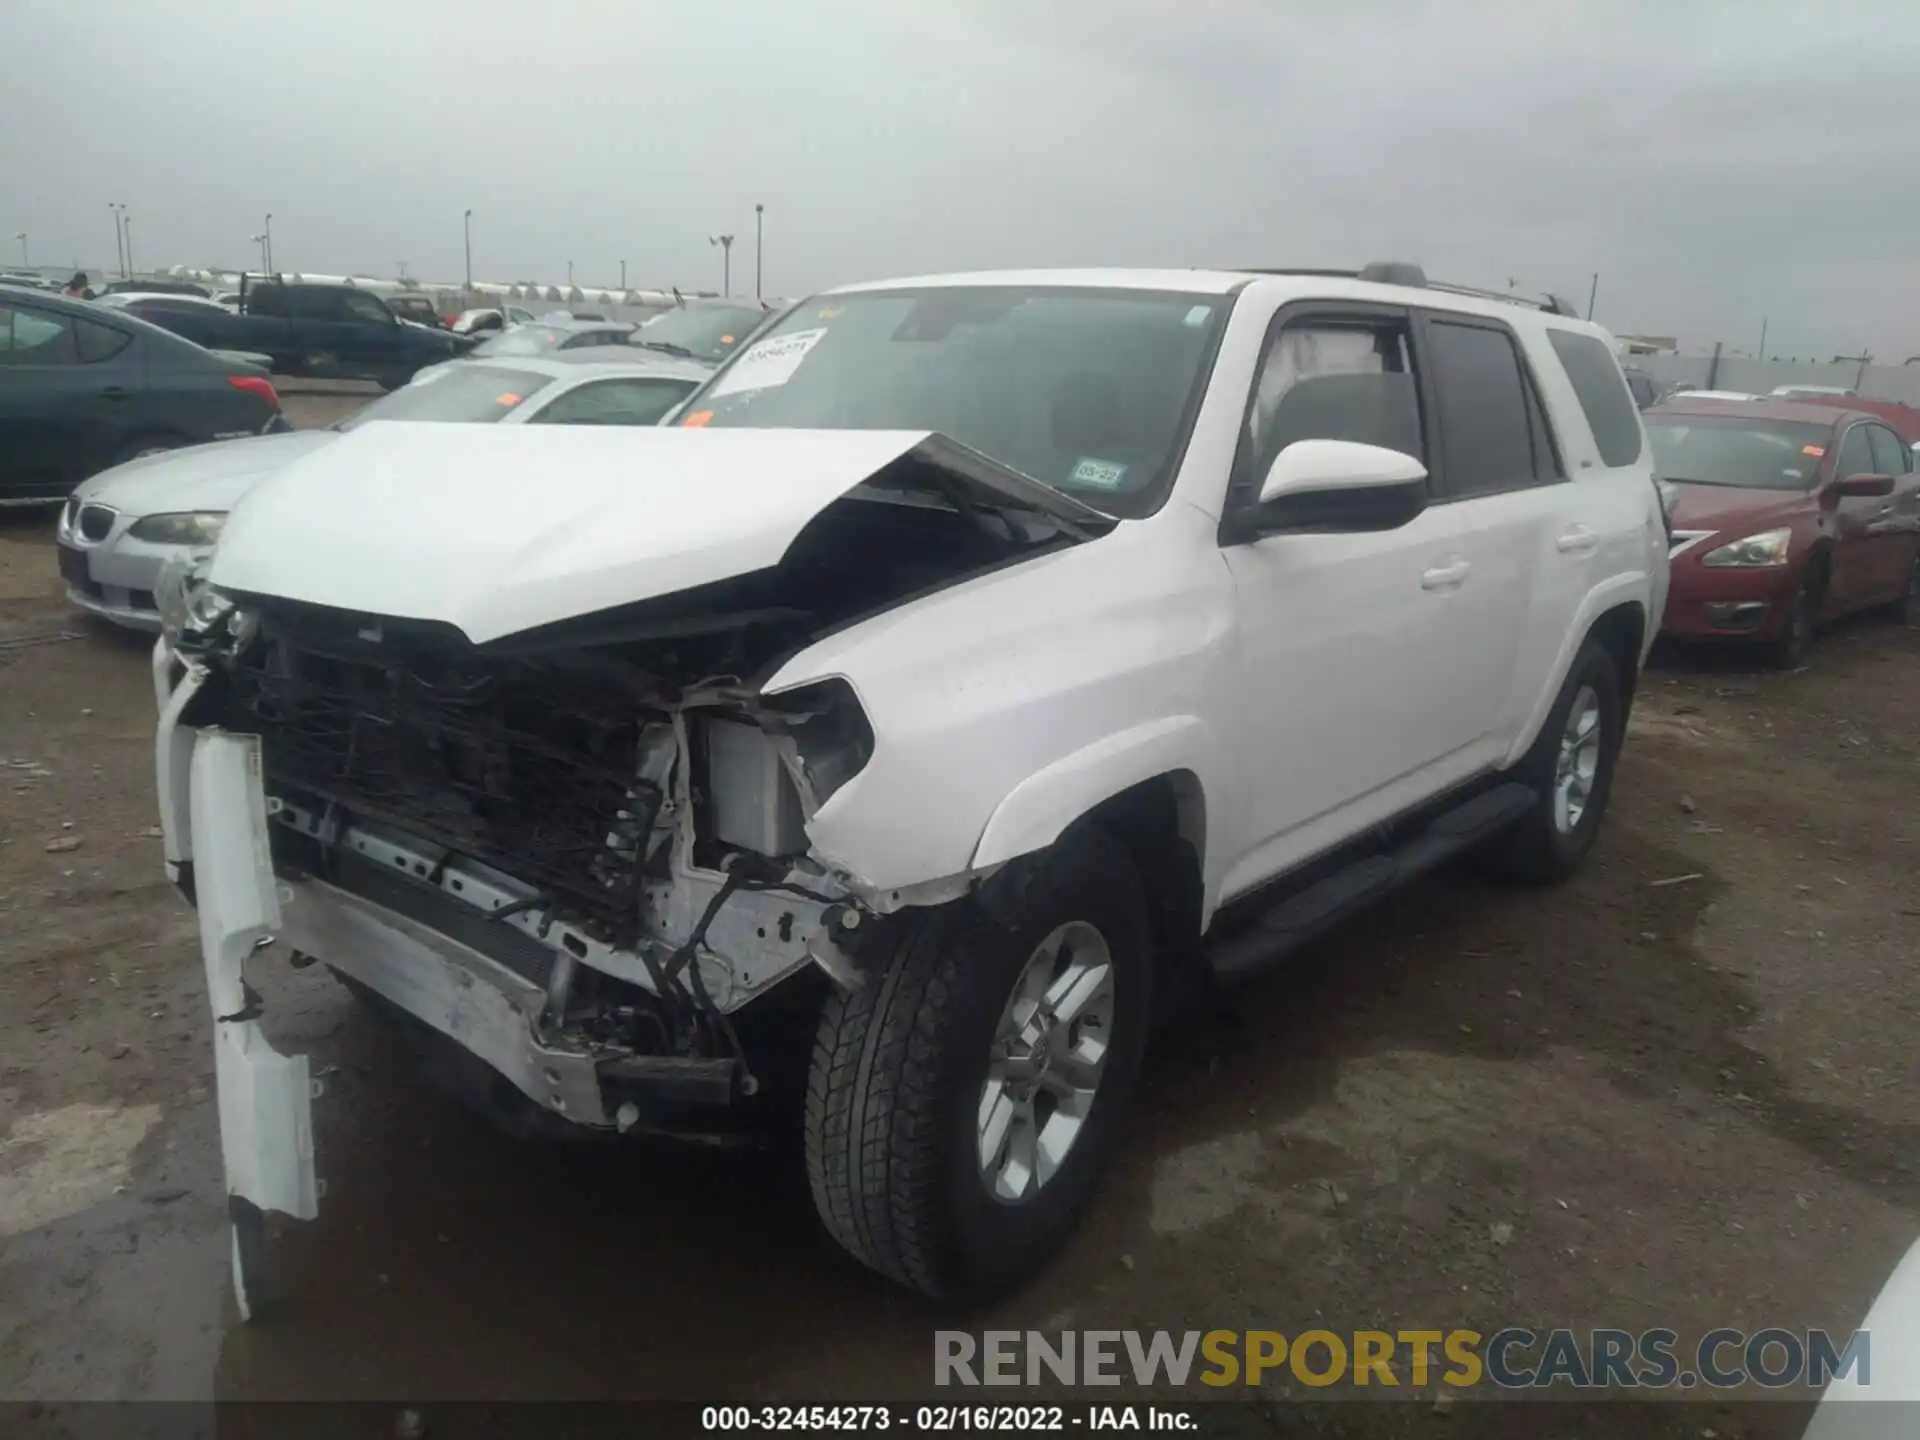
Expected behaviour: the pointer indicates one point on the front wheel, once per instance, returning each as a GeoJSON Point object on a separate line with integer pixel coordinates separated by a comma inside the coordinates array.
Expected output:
{"type": "Point", "coordinates": [1789, 649]}
{"type": "Point", "coordinates": [1570, 769]}
{"type": "Point", "coordinates": [962, 1101]}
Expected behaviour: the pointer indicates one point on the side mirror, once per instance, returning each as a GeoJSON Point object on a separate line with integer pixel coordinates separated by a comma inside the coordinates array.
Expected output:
{"type": "Point", "coordinates": [1332, 487]}
{"type": "Point", "coordinates": [1862, 487]}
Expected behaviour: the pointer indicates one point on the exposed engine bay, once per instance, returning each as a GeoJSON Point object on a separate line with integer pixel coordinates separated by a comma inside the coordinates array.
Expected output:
{"type": "Point", "coordinates": [608, 806]}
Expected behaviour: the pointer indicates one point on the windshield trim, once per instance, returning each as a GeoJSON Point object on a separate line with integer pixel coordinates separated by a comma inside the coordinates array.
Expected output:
{"type": "Point", "coordinates": [1150, 499]}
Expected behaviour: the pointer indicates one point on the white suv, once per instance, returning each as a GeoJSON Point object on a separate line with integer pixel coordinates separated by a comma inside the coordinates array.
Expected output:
{"type": "Point", "coordinates": [977, 661]}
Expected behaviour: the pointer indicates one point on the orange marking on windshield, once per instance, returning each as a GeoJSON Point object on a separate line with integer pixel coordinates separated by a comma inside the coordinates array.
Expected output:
{"type": "Point", "coordinates": [507, 399]}
{"type": "Point", "coordinates": [1816, 451]}
{"type": "Point", "coordinates": [696, 419]}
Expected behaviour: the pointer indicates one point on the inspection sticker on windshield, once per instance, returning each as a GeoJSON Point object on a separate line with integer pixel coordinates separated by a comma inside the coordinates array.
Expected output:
{"type": "Point", "coordinates": [1097, 474]}
{"type": "Point", "coordinates": [769, 363]}
{"type": "Point", "coordinates": [1816, 451]}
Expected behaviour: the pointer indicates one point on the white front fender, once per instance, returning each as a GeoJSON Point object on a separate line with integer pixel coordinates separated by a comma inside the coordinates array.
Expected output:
{"type": "Point", "coordinates": [266, 1100]}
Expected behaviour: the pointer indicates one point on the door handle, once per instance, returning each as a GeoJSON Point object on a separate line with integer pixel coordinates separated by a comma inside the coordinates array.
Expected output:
{"type": "Point", "coordinates": [1450, 576]}
{"type": "Point", "coordinates": [115, 392]}
{"type": "Point", "coordinates": [1577, 541]}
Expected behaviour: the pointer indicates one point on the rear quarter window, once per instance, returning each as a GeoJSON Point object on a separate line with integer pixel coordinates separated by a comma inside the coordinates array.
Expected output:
{"type": "Point", "coordinates": [1603, 394]}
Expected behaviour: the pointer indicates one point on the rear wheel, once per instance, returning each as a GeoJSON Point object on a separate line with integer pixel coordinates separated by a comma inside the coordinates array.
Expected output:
{"type": "Point", "coordinates": [962, 1101]}
{"type": "Point", "coordinates": [1570, 769]}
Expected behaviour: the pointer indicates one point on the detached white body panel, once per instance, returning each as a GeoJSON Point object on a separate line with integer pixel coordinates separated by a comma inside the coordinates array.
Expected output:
{"type": "Point", "coordinates": [266, 1101]}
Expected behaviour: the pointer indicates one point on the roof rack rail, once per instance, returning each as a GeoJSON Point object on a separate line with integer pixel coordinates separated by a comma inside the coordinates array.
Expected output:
{"type": "Point", "coordinates": [1402, 272]}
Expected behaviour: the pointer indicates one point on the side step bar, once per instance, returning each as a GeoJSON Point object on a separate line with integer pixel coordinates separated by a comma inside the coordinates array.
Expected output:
{"type": "Point", "coordinates": [1310, 913]}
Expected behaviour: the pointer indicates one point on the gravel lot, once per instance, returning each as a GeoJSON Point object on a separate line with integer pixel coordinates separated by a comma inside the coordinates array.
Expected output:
{"type": "Point", "coordinates": [1620, 1102]}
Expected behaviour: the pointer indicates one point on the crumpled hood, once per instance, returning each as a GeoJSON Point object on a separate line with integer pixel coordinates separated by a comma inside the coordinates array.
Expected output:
{"type": "Point", "coordinates": [201, 477]}
{"type": "Point", "coordinates": [501, 529]}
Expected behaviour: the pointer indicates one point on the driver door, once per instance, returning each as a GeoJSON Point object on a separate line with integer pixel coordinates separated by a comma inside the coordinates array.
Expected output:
{"type": "Point", "coordinates": [1353, 703]}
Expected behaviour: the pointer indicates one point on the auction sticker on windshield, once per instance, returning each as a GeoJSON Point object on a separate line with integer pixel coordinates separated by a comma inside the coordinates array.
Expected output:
{"type": "Point", "coordinates": [769, 363]}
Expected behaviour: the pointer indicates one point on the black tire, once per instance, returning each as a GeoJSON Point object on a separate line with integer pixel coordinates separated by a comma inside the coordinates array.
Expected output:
{"type": "Point", "coordinates": [899, 1065]}
{"type": "Point", "coordinates": [1538, 849]}
{"type": "Point", "coordinates": [394, 379]}
{"type": "Point", "coordinates": [1789, 649]}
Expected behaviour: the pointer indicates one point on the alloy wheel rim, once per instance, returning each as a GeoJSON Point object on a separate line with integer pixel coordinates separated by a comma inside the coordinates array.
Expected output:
{"type": "Point", "coordinates": [1049, 1054]}
{"type": "Point", "coordinates": [1579, 761]}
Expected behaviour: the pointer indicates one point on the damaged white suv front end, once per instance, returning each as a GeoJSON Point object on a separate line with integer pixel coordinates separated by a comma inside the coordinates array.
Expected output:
{"type": "Point", "coordinates": [556, 803]}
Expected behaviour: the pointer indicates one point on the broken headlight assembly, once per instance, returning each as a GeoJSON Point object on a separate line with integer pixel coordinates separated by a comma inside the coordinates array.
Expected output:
{"type": "Point", "coordinates": [193, 614]}
{"type": "Point", "coordinates": [829, 736]}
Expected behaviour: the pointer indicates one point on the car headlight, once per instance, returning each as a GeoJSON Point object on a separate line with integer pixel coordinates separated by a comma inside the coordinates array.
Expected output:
{"type": "Point", "coordinates": [1769, 547]}
{"type": "Point", "coordinates": [198, 527]}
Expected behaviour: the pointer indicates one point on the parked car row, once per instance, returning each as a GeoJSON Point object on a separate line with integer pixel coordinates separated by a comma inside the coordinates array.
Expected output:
{"type": "Point", "coordinates": [84, 387]}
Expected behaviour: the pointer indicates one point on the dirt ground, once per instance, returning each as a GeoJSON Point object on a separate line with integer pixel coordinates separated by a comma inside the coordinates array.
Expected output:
{"type": "Point", "coordinates": [1678, 1091]}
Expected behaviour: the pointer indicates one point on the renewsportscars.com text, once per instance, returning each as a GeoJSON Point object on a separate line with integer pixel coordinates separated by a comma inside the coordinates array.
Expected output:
{"type": "Point", "coordinates": [1510, 1359]}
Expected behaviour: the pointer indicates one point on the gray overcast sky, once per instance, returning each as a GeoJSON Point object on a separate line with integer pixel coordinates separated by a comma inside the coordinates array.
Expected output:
{"type": "Point", "coordinates": [1714, 160]}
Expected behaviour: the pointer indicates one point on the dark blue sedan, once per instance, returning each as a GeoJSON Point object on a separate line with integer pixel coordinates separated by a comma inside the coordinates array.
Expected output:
{"type": "Point", "coordinates": [83, 387]}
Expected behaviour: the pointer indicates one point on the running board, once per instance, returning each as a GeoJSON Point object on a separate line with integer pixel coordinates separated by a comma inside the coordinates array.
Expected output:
{"type": "Point", "coordinates": [1312, 912]}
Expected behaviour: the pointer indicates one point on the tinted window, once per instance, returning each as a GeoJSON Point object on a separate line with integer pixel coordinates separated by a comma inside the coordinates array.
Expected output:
{"type": "Point", "coordinates": [1734, 450]}
{"type": "Point", "coordinates": [35, 337]}
{"type": "Point", "coordinates": [1889, 455]}
{"type": "Point", "coordinates": [1609, 406]}
{"type": "Point", "coordinates": [463, 394]}
{"type": "Point", "coordinates": [1856, 453]}
{"type": "Point", "coordinates": [267, 300]}
{"type": "Point", "coordinates": [1326, 381]}
{"type": "Point", "coordinates": [364, 308]}
{"type": "Point", "coordinates": [615, 402]}
{"type": "Point", "coordinates": [99, 342]}
{"type": "Point", "coordinates": [1484, 419]}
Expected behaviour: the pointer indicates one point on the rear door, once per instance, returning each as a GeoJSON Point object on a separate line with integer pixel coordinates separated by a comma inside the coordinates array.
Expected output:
{"type": "Point", "coordinates": [1895, 527]}
{"type": "Point", "coordinates": [1859, 560]}
{"type": "Point", "coordinates": [1500, 475]}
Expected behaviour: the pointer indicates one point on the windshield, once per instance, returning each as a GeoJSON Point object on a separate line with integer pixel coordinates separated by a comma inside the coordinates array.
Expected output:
{"type": "Point", "coordinates": [1733, 450]}
{"type": "Point", "coordinates": [533, 339]}
{"type": "Point", "coordinates": [1088, 391]}
{"type": "Point", "coordinates": [463, 394]}
{"type": "Point", "coordinates": [698, 332]}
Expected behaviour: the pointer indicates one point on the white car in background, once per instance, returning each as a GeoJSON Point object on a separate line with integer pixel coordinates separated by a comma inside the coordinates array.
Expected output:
{"type": "Point", "coordinates": [128, 521]}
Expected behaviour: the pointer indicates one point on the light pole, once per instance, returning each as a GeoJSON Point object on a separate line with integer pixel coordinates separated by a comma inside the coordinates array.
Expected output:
{"type": "Point", "coordinates": [569, 275]}
{"type": "Point", "coordinates": [25, 264]}
{"type": "Point", "coordinates": [1763, 337]}
{"type": "Point", "coordinates": [119, 251]}
{"type": "Point", "coordinates": [466, 225]}
{"type": "Point", "coordinates": [267, 234]}
{"type": "Point", "coordinates": [623, 276]}
{"type": "Point", "coordinates": [758, 235]}
{"type": "Point", "coordinates": [261, 241]}
{"type": "Point", "coordinates": [126, 224]}
{"type": "Point", "coordinates": [725, 242]}
{"type": "Point", "coordinates": [1592, 293]}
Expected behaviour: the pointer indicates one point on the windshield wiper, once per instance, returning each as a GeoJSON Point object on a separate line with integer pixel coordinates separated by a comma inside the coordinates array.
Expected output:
{"type": "Point", "coordinates": [665, 347]}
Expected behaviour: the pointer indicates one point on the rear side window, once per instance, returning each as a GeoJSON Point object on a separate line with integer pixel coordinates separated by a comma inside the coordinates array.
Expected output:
{"type": "Point", "coordinates": [1889, 455]}
{"type": "Point", "coordinates": [267, 300]}
{"type": "Point", "coordinates": [35, 337]}
{"type": "Point", "coordinates": [1487, 424]}
{"type": "Point", "coordinates": [1604, 397]}
{"type": "Point", "coordinates": [98, 342]}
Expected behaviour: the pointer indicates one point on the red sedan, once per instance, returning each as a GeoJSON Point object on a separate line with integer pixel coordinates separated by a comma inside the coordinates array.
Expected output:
{"type": "Point", "coordinates": [1784, 515]}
